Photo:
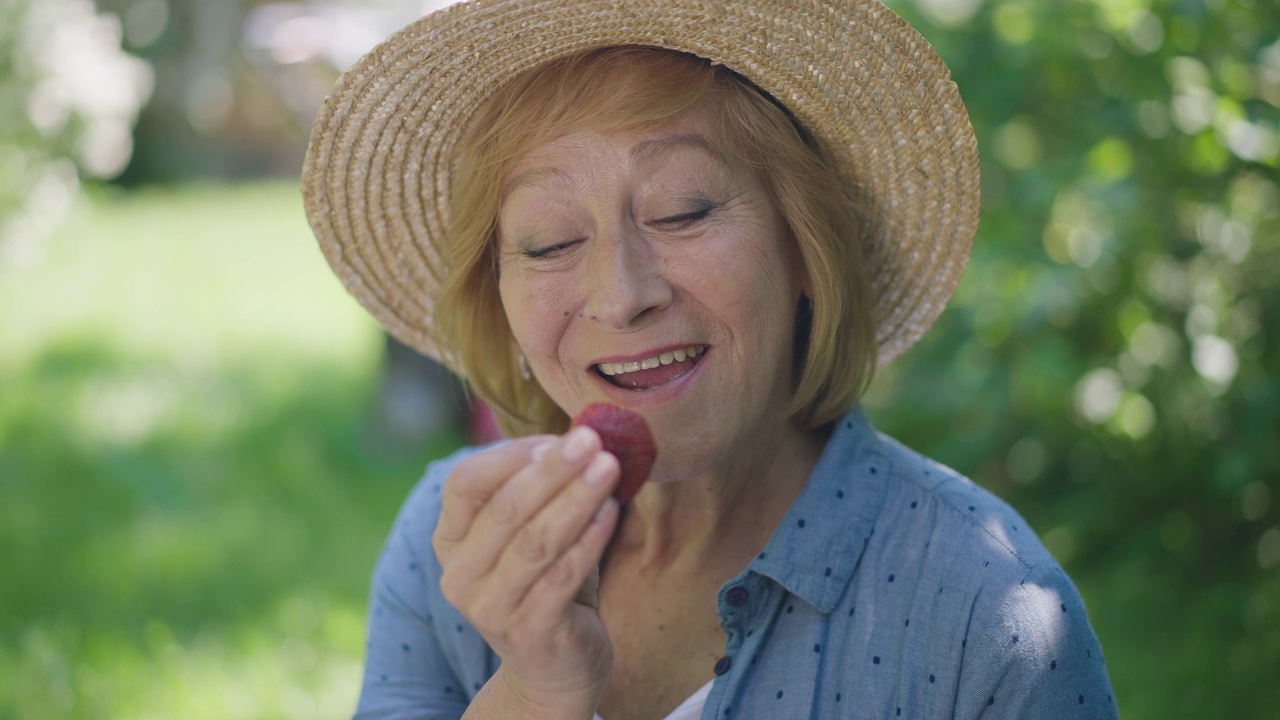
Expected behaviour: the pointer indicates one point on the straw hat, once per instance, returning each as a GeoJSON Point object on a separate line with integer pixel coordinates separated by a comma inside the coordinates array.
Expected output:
{"type": "Point", "coordinates": [870, 89]}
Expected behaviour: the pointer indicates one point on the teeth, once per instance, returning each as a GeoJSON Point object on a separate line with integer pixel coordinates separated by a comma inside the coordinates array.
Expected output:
{"type": "Point", "coordinates": [665, 358]}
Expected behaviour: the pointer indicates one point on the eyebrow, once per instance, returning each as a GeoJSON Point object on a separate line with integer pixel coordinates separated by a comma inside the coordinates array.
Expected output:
{"type": "Point", "coordinates": [649, 146]}
{"type": "Point", "coordinates": [535, 176]}
{"type": "Point", "coordinates": [642, 150]}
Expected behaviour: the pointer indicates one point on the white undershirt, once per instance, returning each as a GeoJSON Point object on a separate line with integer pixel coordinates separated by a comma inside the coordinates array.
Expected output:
{"type": "Point", "coordinates": [690, 709]}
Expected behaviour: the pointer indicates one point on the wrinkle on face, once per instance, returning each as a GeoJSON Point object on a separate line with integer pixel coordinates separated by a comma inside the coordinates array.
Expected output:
{"type": "Point", "coordinates": [589, 214]}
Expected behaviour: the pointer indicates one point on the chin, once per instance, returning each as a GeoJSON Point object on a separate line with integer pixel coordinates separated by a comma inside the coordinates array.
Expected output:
{"type": "Point", "coordinates": [684, 458]}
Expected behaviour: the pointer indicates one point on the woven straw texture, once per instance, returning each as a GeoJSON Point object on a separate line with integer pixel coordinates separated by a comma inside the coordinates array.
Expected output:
{"type": "Point", "coordinates": [866, 85]}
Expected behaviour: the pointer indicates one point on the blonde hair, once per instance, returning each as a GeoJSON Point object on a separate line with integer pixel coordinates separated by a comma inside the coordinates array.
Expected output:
{"type": "Point", "coordinates": [636, 88]}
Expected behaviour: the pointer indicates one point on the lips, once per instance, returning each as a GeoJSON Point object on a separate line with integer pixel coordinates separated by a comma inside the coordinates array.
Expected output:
{"type": "Point", "coordinates": [652, 372]}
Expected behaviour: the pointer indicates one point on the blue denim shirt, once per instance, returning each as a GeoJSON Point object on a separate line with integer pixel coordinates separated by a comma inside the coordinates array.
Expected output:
{"type": "Point", "coordinates": [894, 587]}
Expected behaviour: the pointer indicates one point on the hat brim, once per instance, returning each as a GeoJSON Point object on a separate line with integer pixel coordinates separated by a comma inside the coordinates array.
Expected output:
{"type": "Point", "coordinates": [866, 85]}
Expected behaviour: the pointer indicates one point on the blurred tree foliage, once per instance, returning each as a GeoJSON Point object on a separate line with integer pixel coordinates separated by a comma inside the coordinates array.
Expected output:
{"type": "Point", "coordinates": [69, 96]}
{"type": "Point", "coordinates": [1110, 361]}
{"type": "Point", "coordinates": [213, 112]}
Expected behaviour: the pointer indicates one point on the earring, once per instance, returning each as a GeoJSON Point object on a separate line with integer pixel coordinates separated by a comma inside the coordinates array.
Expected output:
{"type": "Point", "coordinates": [524, 367]}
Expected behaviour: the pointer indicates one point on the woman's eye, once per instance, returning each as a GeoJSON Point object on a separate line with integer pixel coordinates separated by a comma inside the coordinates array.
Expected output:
{"type": "Point", "coordinates": [548, 251]}
{"type": "Point", "coordinates": [685, 219]}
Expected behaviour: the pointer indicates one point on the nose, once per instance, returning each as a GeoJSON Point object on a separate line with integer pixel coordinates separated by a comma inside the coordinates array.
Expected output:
{"type": "Point", "coordinates": [626, 283]}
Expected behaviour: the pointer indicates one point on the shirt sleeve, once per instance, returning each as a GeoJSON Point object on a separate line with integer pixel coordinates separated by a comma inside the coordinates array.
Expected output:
{"type": "Point", "coordinates": [1030, 653]}
{"type": "Point", "coordinates": [408, 673]}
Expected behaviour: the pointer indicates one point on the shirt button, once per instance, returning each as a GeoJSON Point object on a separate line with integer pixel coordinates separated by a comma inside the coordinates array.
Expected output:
{"type": "Point", "coordinates": [722, 665]}
{"type": "Point", "coordinates": [738, 596]}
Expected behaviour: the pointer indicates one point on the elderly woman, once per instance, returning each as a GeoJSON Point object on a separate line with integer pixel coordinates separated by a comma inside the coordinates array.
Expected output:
{"type": "Point", "coordinates": [722, 216]}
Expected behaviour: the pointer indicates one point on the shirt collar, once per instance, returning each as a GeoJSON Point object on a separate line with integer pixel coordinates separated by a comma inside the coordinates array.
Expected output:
{"type": "Point", "coordinates": [816, 548]}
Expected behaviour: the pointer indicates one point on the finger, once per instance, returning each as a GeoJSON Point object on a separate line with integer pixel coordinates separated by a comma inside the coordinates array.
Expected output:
{"type": "Point", "coordinates": [523, 497]}
{"type": "Point", "coordinates": [541, 541]}
{"type": "Point", "coordinates": [473, 482]}
{"type": "Point", "coordinates": [566, 578]}
{"type": "Point", "coordinates": [589, 593]}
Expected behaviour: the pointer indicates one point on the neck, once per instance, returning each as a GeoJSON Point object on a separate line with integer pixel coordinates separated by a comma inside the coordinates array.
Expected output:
{"type": "Point", "coordinates": [723, 517]}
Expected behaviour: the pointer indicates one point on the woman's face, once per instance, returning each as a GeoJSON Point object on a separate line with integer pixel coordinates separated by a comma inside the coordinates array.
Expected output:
{"type": "Point", "coordinates": [647, 270]}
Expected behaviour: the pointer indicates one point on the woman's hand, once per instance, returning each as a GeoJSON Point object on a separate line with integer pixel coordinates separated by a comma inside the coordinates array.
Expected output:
{"type": "Point", "coordinates": [522, 530]}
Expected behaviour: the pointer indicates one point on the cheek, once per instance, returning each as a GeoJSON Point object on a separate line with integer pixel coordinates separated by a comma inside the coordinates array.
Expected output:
{"type": "Point", "coordinates": [537, 312]}
{"type": "Point", "coordinates": [755, 295]}
{"type": "Point", "coordinates": [751, 278]}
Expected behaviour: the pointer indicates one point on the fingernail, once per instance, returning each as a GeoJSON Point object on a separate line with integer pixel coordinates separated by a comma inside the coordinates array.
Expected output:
{"type": "Point", "coordinates": [602, 512]}
{"type": "Point", "coordinates": [598, 471]}
{"type": "Point", "coordinates": [576, 445]}
{"type": "Point", "coordinates": [541, 449]}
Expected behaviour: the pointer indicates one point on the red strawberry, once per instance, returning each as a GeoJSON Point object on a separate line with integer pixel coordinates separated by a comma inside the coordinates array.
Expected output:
{"type": "Point", "coordinates": [626, 435]}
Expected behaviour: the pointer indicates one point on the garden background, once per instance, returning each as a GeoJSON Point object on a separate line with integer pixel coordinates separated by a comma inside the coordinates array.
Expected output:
{"type": "Point", "coordinates": [201, 448]}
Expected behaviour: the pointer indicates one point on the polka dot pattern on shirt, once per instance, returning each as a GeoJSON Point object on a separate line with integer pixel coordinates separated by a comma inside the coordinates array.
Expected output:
{"type": "Point", "coordinates": [834, 592]}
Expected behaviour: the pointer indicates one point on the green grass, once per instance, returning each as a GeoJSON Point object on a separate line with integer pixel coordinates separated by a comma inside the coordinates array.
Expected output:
{"type": "Point", "coordinates": [190, 499]}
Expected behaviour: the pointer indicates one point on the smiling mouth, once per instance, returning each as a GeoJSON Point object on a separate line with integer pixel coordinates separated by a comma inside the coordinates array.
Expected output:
{"type": "Point", "coordinates": [653, 372]}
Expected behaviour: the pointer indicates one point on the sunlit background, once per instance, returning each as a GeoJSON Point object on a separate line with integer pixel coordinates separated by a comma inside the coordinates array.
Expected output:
{"type": "Point", "coordinates": [203, 440]}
